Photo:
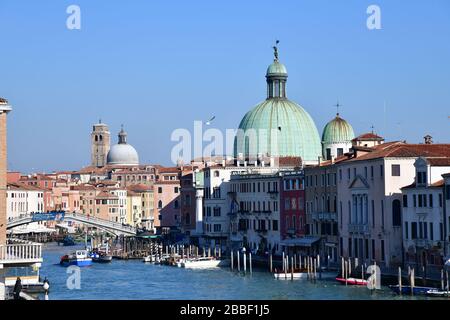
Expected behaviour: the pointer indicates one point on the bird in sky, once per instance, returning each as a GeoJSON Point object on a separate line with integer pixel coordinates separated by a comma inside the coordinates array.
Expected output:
{"type": "Point", "coordinates": [208, 123]}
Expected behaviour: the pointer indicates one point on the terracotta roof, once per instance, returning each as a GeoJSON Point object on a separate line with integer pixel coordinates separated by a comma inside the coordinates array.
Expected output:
{"type": "Point", "coordinates": [368, 136]}
{"type": "Point", "coordinates": [437, 184]}
{"type": "Point", "coordinates": [140, 188]}
{"type": "Point", "coordinates": [106, 195]}
{"type": "Point", "coordinates": [290, 162]}
{"type": "Point", "coordinates": [439, 162]}
{"type": "Point", "coordinates": [404, 150]}
{"type": "Point", "coordinates": [22, 186]}
{"type": "Point", "coordinates": [169, 170]}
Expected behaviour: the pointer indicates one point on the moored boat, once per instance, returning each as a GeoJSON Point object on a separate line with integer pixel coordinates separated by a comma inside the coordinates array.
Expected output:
{"type": "Point", "coordinates": [100, 257]}
{"type": "Point", "coordinates": [80, 258]}
{"type": "Point", "coordinates": [353, 281]}
{"type": "Point", "coordinates": [200, 263]}
{"type": "Point", "coordinates": [290, 275]}
{"type": "Point", "coordinates": [438, 293]}
{"type": "Point", "coordinates": [416, 290]}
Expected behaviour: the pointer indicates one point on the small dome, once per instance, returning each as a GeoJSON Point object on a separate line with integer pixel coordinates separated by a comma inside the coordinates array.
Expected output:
{"type": "Point", "coordinates": [276, 69]}
{"type": "Point", "coordinates": [123, 154]}
{"type": "Point", "coordinates": [338, 130]}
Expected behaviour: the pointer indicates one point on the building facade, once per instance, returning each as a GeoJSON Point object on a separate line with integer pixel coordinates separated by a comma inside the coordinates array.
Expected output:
{"type": "Point", "coordinates": [423, 214]}
{"type": "Point", "coordinates": [321, 210]}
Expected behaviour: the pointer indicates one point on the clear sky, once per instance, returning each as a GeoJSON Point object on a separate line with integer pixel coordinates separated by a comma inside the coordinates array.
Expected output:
{"type": "Point", "coordinates": [159, 65]}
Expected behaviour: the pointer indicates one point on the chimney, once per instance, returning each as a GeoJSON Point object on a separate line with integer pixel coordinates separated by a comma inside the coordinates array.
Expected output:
{"type": "Point", "coordinates": [428, 139]}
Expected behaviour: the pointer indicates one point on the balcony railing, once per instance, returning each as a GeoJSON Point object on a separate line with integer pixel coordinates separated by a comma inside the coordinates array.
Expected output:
{"type": "Point", "coordinates": [19, 251]}
{"type": "Point", "coordinates": [358, 228]}
{"type": "Point", "coordinates": [324, 216]}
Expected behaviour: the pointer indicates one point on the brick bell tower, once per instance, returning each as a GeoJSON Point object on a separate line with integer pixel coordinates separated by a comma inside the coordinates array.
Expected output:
{"type": "Point", "coordinates": [5, 108]}
{"type": "Point", "coordinates": [100, 144]}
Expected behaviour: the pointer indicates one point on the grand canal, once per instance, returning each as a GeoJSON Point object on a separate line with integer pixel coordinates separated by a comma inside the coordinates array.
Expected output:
{"type": "Point", "coordinates": [139, 281]}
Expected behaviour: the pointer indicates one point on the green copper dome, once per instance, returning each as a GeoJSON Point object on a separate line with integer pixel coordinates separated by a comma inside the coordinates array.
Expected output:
{"type": "Point", "coordinates": [276, 68]}
{"type": "Point", "coordinates": [278, 127]}
{"type": "Point", "coordinates": [338, 130]}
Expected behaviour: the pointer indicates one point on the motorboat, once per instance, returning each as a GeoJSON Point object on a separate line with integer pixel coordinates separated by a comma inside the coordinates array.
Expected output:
{"type": "Point", "coordinates": [80, 258]}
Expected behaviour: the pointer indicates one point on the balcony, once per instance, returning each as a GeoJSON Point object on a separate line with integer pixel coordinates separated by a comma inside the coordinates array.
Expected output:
{"type": "Point", "coordinates": [261, 230]}
{"type": "Point", "coordinates": [20, 252]}
{"type": "Point", "coordinates": [324, 216]}
{"type": "Point", "coordinates": [358, 228]}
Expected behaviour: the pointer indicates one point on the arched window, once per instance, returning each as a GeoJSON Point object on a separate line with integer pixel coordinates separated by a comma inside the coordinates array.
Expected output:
{"type": "Point", "coordinates": [216, 174]}
{"type": "Point", "coordinates": [160, 204]}
{"type": "Point", "coordinates": [396, 213]}
{"type": "Point", "coordinates": [101, 138]}
{"type": "Point", "coordinates": [96, 138]}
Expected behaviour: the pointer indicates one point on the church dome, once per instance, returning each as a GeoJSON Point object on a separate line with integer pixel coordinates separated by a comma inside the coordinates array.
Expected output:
{"type": "Point", "coordinates": [282, 127]}
{"type": "Point", "coordinates": [338, 130]}
{"type": "Point", "coordinates": [123, 153]}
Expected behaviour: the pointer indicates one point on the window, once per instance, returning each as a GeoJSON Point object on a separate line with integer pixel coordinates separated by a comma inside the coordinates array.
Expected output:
{"type": "Point", "coordinates": [371, 172]}
{"type": "Point", "coordinates": [217, 228]}
{"type": "Point", "coordinates": [275, 225]}
{"type": "Point", "coordinates": [160, 204]}
{"type": "Point", "coordinates": [328, 154]}
{"type": "Point", "coordinates": [216, 174]}
{"type": "Point", "coordinates": [396, 213]}
{"type": "Point", "coordinates": [431, 201]}
{"type": "Point", "coordinates": [381, 170]}
{"type": "Point", "coordinates": [159, 189]}
{"type": "Point", "coordinates": [365, 172]}
{"type": "Point", "coordinates": [287, 203]}
{"type": "Point", "coordinates": [431, 232]}
{"type": "Point", "coordinates": [405, 201]}
{"type": "Point", "coordinates": [396, 170]}
{"type": "Point", "coordinates": [176, 204]}
{"type": "Point", "coordinates": [406, 231]}
{"type": "Point", "coordinates": [414, 230]}
{"type": "Point", "coordinates": [382, 251]}
{"type": "Point", "coordinates": [217, 211]}
{"type": "Point", "coordinates": [176, 189]}
{"type": "Point", "coordinates": [421, 177]}
{"type": "Point", "coordinates": [340, 152]}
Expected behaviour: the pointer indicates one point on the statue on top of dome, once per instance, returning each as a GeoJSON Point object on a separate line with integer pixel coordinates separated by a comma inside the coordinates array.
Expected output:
{"type": "Point", "coordinates": [275, 50]}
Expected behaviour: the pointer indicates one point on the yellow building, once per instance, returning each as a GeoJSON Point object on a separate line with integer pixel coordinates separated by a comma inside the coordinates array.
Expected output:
{"type": "Point", "coordinates": [134, 208]}
{"type": "Point", "coordinates": [146, 206]}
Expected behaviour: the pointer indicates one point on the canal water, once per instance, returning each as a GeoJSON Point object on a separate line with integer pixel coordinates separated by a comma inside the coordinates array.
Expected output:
{"type": "Point", "coordinates": [135, 280]}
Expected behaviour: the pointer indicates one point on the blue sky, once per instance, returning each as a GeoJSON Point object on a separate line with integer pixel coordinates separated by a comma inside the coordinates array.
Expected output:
{"type": "Point", "coordinates": [159, 65]}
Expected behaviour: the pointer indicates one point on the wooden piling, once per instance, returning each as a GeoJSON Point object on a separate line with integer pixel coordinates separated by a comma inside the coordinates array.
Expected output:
{"type": "Point", "coordinates": [271, 263]}
{"type": "Point", "coordinates": [412, 281]}
{"type": "Point", "coordinates": [232, 263]}
{"type": "Point", "coordinates": [400, 279]}
{"type": "Point", "coordinates": [244, 258]}
{"type": "Point", "coordinates": [250, 261]}
{"type": "Point", "coordinates": [292, 268]}
{"type": "Point", "coordinates": [238, 262]}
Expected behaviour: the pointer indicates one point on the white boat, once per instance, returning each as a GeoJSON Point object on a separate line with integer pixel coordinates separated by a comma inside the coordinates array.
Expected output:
{"type": "Point", "coordinates": [200, 263]}
{"type": "Point", "coordinates": [290, 276]}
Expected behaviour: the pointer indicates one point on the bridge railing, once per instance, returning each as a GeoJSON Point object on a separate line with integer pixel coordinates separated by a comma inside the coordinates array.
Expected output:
{"type": "Point", "coordinates": [19, 251]}
{"type": "Point", "coordinates": [111, 224]}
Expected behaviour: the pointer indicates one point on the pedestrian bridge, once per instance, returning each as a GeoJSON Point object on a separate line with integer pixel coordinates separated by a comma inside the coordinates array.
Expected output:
{"type": "Point", "coordinates": [115, 228]}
